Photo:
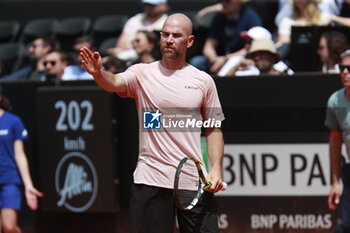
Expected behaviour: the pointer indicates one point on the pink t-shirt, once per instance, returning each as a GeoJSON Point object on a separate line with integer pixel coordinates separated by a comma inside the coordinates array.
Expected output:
{"type": "Point", "coordinates": [176, 94]}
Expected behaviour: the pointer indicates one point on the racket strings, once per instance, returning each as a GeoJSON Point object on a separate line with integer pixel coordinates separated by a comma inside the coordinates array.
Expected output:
{"type": "Point", "coordinates": [188, 184]}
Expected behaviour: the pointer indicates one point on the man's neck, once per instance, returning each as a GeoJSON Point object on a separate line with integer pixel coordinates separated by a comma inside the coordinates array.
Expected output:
{"type": "Point", "coordinates": [1, 112]}
{"type": "Point", "coordinates": [173, 64]}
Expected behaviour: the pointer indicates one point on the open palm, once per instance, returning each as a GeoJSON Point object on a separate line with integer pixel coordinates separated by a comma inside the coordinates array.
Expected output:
{"type": "Point", "coordinates": [92, 62]}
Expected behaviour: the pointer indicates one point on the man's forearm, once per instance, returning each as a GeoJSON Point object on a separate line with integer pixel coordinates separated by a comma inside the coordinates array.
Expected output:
{"type": "Point", "coordinates": [109, 81]}
{"type": "Point", "coordinates": [215, 146]}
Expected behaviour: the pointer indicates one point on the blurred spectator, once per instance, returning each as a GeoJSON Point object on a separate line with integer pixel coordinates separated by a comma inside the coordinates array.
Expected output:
{"type": "Point", "coordinates": [224, 38]}
{"type": "Point", "coordinates": [146, 46]}
{"type": "Point", "coordinates": [212, 8]}
{"type": "Point", "coordinates": [255, 33]}
{"type": "Point", "coordinates": [76, 71]}
{"type": "Point", "coordinates": [34, 71]}
{"type": "Point", "coordinates": [261, 58]}
{"type": "Point", "coordinates": [331, 45]}
{"type": "Point", "coordinates": [332, 7]}
{"type": "Point", "coordinates": [306, 13]}
{"type": "Point", "coordinates": [113, 64]}
{"type": "Point", "coordinates": [54, 62]}
{"type": "Point", "coordinates": [152, 19]}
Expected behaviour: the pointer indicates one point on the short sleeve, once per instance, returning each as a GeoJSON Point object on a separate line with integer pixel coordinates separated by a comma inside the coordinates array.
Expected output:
{"type": "Point", "coordinates": [331, 120]}
{"type": "Point", "coordinates": [211, 105]}
{"type": "Point", "coordinates": [130, 78]}
{"type": "Point", "coordinates": [285, 27]}
{"type": "Point", "coordinates": [19, 132]}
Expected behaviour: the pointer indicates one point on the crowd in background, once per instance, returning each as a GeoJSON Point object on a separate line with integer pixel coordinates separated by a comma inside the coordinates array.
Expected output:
{"type": "Point", "coordinates": [235, 43]}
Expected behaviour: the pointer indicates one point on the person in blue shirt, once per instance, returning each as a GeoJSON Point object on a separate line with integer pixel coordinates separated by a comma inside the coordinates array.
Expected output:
{"type": "Point", "coordinates": [76, 71]}
{"type": "Point", "coordinates": [224, 40]}
{"type": "Point", "coordinates": [14, 169]}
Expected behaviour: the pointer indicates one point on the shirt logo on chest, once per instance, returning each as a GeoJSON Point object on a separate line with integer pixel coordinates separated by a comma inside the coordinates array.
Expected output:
{"type": "Point", "coordinates": [190, 87]}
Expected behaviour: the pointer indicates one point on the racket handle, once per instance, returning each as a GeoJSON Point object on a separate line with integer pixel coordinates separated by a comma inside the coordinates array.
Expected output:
{"type": "Point", "coordinates": [224, 186]}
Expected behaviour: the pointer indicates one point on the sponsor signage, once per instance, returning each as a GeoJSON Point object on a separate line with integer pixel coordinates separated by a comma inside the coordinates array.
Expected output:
{"type": "Point", "coordinates": [276, 170]}
{"type": "Point", "coordinates": [76, 149]}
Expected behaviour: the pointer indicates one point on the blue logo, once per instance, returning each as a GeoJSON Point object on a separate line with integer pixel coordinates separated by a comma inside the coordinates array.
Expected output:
{"type": "Point", "coordinates": [151, 120]}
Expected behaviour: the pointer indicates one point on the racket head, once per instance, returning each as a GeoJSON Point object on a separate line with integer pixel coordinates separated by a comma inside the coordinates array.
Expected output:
{"type": "Point", "coordinates": [189, 183]}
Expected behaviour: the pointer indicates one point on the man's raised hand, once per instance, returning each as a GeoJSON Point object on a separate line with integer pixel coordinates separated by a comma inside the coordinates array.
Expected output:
{"type": "Point", "coordinates": [92, 62]}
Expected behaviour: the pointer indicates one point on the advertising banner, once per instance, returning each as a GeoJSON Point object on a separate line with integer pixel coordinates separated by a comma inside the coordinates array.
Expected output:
{"type": "Point", "coordinates": [76, 149]}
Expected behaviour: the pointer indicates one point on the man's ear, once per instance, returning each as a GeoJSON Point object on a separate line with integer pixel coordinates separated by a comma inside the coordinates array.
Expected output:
{"type": "Point", "coordinates": [190, 41]}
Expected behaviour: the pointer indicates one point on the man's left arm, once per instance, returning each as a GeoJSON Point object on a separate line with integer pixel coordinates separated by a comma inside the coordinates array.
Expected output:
{"type": "Point", "coordinates": [215, 147]}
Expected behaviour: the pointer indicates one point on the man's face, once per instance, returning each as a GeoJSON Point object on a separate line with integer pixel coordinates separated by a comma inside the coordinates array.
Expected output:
{"type": "Point", "coordinates": [322, 50]}
{"type": "Point", "coordinates": [263, 60]}
{"type": "Point", "coordinates": [345, 74]}
{"type": "Point", "coordinates": [77, 48]}
{"type": "Point", "coordinates": [53, 64]}
{"type": "Point", "coordinates": [174, 41]}
{"type": "Point", "coordinates": [154, 10]}
{"type": "Point", "coordinates": [230, 6]}
{"type": "Point", "coordinates": [38, 49]}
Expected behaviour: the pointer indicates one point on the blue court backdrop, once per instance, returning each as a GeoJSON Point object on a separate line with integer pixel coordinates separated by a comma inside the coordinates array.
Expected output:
{"type": "Point", "coordinates": [84, 142]}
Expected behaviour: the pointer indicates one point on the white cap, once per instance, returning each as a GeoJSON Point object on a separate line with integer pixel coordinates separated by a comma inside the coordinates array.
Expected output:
{"type": "Point", "coordinates": [256, 33]}
{"type": "Point", "coordinates": [154, 2]}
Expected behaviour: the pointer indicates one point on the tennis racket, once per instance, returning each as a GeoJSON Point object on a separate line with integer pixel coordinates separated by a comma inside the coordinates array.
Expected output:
{"type": "Point", "coordinates": [190, 183]}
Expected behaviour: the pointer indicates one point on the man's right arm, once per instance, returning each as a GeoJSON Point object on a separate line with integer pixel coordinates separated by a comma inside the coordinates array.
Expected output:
{"type": "Point", "coordinates": [110, 82]}
{"type": "Point", "coordinates": [335, 142]}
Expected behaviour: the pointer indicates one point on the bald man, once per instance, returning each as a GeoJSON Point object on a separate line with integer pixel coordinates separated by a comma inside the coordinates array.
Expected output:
{"type": "Point", "coordinates": [163, 88]}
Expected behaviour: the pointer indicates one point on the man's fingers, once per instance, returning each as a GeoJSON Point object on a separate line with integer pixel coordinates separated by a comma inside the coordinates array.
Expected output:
{"type": "Point", "coordinates": [96, 55]}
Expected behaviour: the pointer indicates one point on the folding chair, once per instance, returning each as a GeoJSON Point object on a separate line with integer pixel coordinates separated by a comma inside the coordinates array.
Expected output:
{"type": "Point", "coordinates": [9, 30]}
{"type": "Point", "coordinates": [9, 53]}
{"type": "Point", "coordinates": [107, 26]}
{"type": "Point", "coordinates": [36, 28]}
{"type": "Point", "coordinates": [68, 29]}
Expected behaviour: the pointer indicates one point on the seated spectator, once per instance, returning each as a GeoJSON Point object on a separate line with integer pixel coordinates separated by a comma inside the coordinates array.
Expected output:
{"type": "Point", "coordinates": [224, 38]}
{"type": "Point", "coordinates": [76, 71]}
{"type": "Point", "coordinates": [260, 60]}
{"type": "Point", "coordinates": [212, 8]}
{"type": "Point", "coordinates": [255, 33]}
{"type": "Point", "coordinates": [55, 63]}
{"type": "Point", "coordinates": [145, 45]}
{"type": "Point", "coordinates": [113, 64]}
{"type": "Point", "coordinates": [306, 13]}
{"type": "Point", "coordinates": [34, 71]}
{"type": "Point", "coordinates": [152, 19]}
{"type": "Point", "coordinates": [331, 45]}
{"type": "Point", "coordinates": [332, 7]}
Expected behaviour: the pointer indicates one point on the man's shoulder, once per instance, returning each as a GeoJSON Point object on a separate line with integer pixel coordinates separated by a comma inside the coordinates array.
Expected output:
{"type": "Point", "coordinates": [11, 117]}
{"type": "Point", "coordinates": [199, 73]}
{"type": "Point", "coordinates": [143, 67]}
{"type": "Point", "coordinates": [136, 18]}
{"type": "Point", "coordinates": [20, 74]}
{"type": "Point", "coordinates": [250, 14]}
{"type": "Point", "coordinates": [337, 97]}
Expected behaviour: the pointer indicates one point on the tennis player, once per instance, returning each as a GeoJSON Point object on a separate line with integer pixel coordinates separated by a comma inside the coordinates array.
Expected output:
{"type": "Point", "coordinates": [168, 83]}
